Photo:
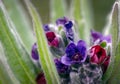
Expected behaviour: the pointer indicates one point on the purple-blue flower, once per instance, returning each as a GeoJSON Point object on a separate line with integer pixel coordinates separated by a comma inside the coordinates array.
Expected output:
{"type": "Point", "coordinates": [61, 68]}
{"type": "Point", "coordinates": [46, 28]}
{"type": "Point", "coordinates": [75, 53]}
{"type": "Point", "coordinates": [98, 36]}
{"type": "Point", "coordinates": [67, 25]}
{"type": "Point", "coordinates": [61, 21]}
{"type": "Point", "coordinates": [34, 52]}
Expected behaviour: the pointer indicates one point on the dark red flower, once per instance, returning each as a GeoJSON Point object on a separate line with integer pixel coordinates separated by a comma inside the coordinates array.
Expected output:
{"type": "Point", "coordinates": [52, 39]}
{"type": "Point", "coordinates": [41, 79]}
{"type": "Point", "coordinates": [97, 54]}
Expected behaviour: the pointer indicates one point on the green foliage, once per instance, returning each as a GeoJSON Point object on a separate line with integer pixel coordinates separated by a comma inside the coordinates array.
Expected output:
{"type": "Point", "coordinates": [112, 70]}
{"type": "Point", "coordinates": [20, 17]}
{"type": "Point", "coordinates": [82, 13]}
{"type": "Point", "coordinates": [16, 55]}
{"type": "Point", "coordinates": [46, 60]}
{"type": "Point", "coordinates": [57, 9]}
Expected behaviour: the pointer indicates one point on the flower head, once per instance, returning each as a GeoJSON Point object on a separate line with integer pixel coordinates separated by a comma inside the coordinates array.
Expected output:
{"type": "Point", "coordinates": [75, 53]}
{"type": "Point", "coordinates": [34, 52]}
{"type": "Point", "coordinates": [97, 54]}
{"type": "Point", "coordinates": [53, 40]}
{"type": "Point", "coordinates": [67, 26]}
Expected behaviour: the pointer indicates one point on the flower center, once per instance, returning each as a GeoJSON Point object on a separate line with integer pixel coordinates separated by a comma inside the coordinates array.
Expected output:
{"type": "Point", "coordinates": [77, 57]}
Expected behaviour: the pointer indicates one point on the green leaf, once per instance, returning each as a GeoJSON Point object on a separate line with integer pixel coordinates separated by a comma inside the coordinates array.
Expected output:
{"type": "Point", "coordinates": [18, 59]}
{"type": "Point", "coordinates": [115, 75]}
{"type": "Point", "coordinates": [4, 78]}
{"type": "Point", "coordinates": [6, 75]}
{"type": "Point", "coordinates": [57, 9]}
{"type": "Point", "coordinates": [115, 35]}
{"type": "Point", "coordinates": [20, 17]}
{"type": "Point", "coordinates": [46, 60]}
{"type": "Point", "coordinates": [82, 13]}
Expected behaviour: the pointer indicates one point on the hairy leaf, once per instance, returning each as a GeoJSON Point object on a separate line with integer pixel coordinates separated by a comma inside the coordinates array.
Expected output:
{"type": "Point", "coordinates": [46, 60]}
{"type": "Point", "coordinates": [16, 55]}
{"type": "Point", "coordinates": [20, 17]}
{"type": "Point", "coordinates": [114, 32]}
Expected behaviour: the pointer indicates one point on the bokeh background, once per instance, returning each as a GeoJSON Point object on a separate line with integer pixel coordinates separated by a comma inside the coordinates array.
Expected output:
{"type": "Point", "coordinates": [100, 8]}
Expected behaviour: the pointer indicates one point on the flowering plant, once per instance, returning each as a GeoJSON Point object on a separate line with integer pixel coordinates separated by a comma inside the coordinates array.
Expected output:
{"type": "Point", "coordinates": [67, 52]}
{"type": "Point", "coordinates": [76, 64]}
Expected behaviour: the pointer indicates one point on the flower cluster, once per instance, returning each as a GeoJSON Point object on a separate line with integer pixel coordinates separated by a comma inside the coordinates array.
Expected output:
{"type": "Point", "coordinates": [76, 63]}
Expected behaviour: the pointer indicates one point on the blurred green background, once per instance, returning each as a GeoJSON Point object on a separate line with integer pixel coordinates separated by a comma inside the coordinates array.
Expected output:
{"type": "Point", "coordinates": [101, 9]}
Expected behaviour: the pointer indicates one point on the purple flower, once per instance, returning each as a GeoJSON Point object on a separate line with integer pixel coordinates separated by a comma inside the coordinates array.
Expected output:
{"type": "Point", "coordinates": [61, 68]}
{"type": "Point", "coordinates": [46, 27]}
{"type": "Point", "coordinates": [98, 36]}
{"type": "Point", "coordinates": [34, 52]}
{"type": "Point", "coordinates": [67, 25]}
{"type": "Point", "coordinates": [61, 21]}
{"type": "Point", "coordinates": [75, 53]}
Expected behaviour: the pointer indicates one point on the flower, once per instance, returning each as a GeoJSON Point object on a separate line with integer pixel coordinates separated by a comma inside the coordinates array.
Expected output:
{"type": "Point", "coordinates": [34, 52]}
{"type": "Point", "coordinates": [67, 25]}
{"type": "Point", "coordinates": [46, 27]}
{"type": "Point", "coordinates": [41, 79]}
{"type": "Point", "coordinates": [61, 68]}
{"type": "Point", "coordinates": [61, 21]}
{"type": "Point", "coordinates": [97, 54]}
{"type": "Point", "coordinates": [97, 36]}
{"type": "Point", "coordinates": [53, 40]}
{"type": "Point", "coordinates": [75, 53]}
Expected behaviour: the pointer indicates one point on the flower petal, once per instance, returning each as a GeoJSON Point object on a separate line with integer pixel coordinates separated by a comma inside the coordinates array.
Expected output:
{"type": "Point", "coordinates": [71, 49]}
{"type": "Point", "coordinates": [50, 36]}
{"type": "Point", "coordinates": [106, 38]}
{"type": "Point", "coordinates": [81, 46]}
{"type": "Point", "coordinates": [95, 35]}
{"type": "Point", "coordinates": [94, 59]}
{"type": "Point", "coordinates": [70, 34]}
{"type": "Point", "coordinates": [46, 27]}
{"type": "Point", "coordinates": [55, 42]}
{"type": "Point", "coordinates": [66, 60]}
{"type": "Point", "coordinates": [61, 67]}
{"type": "Point", "coordinates": [52, 39]}
{"type": "Point", "coordinates": [68, 25]}
{"type": "Point", "coordinates": [61, 21]}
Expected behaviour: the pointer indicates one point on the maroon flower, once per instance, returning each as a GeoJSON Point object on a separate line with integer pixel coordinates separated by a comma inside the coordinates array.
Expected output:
{"type": "Point", "coordinates": [41, 79]}
{"type": "Point", "coordinates": [52, 39]}
{"type": "Point", "coordinates": [97, 54]}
